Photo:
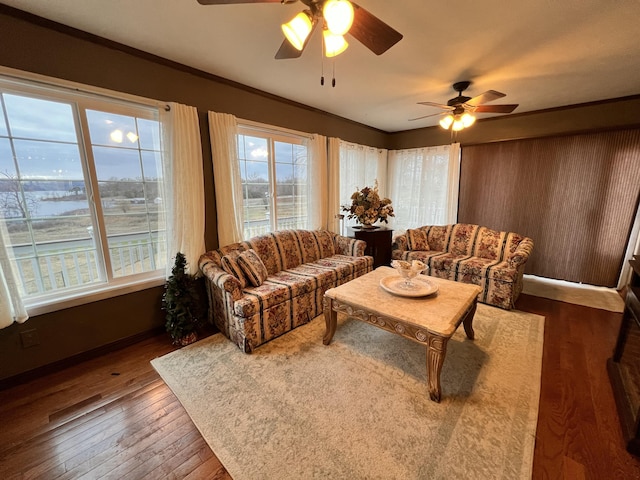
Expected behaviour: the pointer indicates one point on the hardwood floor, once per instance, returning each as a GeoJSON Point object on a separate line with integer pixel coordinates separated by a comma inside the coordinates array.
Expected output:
{"type": "Point", "coordinates": [114, 417]}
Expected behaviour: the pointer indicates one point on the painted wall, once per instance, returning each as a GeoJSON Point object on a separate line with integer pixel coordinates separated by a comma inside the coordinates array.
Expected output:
{"type": "Point", "coordinates": [39, 46]}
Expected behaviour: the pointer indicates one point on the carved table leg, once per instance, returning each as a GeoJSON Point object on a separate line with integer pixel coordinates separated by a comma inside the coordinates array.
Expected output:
{"type": "Point", "coordinates": [331, 320]}
{"type": "Point", "coordinates": [468, 321]}
{"type": "Point", "coordinates": [436, 350]}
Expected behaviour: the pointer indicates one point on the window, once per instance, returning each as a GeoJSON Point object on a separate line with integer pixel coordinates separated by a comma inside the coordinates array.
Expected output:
{"type": "Point", "coordinates": [273, 167]}
{"type": "Point", "coordinates": [423, 185]}
{"type": "Point", "coordinates": [80, 179]}
{"type": "Point", "coordinates": [360, 166]}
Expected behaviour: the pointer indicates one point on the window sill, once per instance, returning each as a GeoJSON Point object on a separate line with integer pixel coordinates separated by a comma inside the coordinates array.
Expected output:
{"type": "Point", "coordinates": [75, 299]}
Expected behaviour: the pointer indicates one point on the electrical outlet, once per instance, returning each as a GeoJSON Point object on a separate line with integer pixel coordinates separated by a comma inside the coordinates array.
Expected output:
{"type": "Point", "coordinates": [29, 338]}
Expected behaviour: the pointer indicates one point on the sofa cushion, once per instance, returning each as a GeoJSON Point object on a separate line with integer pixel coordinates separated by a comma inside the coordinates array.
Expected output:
{"type": "Point", "coordinates": [490, 244]}
{"type": "Point", "coordinates": [309, 248]}
{"type": "Point", "coordinates": [229, 264]}
{"type": "Point", "coordinates": [343, 265]}
{"type": "Point", "coordinates": [326, 243]}
{"type": "Point", "coordinates": [288, 248]}
{"type": "Point", "coordinates": [257, 299]}
{"type": "Point", "coordinates": [463, 237]}
{"type": "Point", "coordinates": [445, 262]}
{"type": "Point", "coordinates": [267, 249]}
{"type": "Point", "coordinates": [324, 276]}
{"type": "Point", "coordinates": [417, 240]}
{"type": "Point", "coordinates": [253, 268]}
{"type": "Point", "coordinates": [438, 237]}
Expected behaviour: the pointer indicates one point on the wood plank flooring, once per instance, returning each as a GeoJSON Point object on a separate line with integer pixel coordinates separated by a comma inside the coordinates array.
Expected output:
{"type": "Point", "coordinates": [113, 417]}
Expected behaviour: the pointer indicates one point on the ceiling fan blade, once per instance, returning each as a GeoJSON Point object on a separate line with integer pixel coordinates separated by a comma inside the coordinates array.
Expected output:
{"type": "Point", "coordinates": [488, 96]}
{"type": "Point", "coordinates": [287, 50]}
{"type": "Point", "coordinates": [495, 108]}
{"type": "Point", "coordinates": [426, 116]}
{"type": "Point", "coordinates": [438, 105]}
{"type": "Point", "coordinates": [372, 32]}
{"type": "Point", "coordinates": [229, 2]}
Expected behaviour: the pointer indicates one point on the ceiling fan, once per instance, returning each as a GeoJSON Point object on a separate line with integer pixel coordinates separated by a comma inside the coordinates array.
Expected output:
{"type": "Point", "coordinates": [369, 30]}
{"type": "Point", "coordinates": [459, 110]}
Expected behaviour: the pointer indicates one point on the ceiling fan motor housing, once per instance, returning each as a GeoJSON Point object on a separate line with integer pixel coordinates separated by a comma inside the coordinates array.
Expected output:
{"type": "Point", "coordinates": [459, 100]}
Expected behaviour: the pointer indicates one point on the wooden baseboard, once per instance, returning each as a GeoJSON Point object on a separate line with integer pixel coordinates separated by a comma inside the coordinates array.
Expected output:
{"type": "Point", "coordinates": [25, 377]}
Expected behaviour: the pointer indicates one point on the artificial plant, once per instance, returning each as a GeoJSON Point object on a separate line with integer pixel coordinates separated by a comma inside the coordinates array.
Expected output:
{"type": "Point", "coordinates": [182, 300]}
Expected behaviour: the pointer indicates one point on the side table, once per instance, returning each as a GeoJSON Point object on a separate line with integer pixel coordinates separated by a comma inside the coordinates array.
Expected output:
{"type": "Point", "coordinates": [378, 243]}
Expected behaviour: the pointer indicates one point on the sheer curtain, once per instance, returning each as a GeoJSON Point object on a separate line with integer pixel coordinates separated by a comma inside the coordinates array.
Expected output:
{"type": "Point", "coordinates": [317, 195]}
{"type": "Point", "coordinates": [223, 129]}
{"type": "Point", "coordinates": [353, 167]}
{"type": "Point", "coordinates": [11, 306]}
{"type": "Point", "coordinates": [184, 185]}
{"type": "Point", "coordinates": [423, 185]}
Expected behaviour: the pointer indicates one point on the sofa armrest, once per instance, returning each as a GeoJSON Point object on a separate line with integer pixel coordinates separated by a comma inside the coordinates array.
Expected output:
{"type": "Point", "coordinates": [521, 254]}
{"type": "Point", "coordinates": [221, 279]}
{"type": "Point", "coordinates": [400, 243]}
{"type": "Point", "coordinates": [349, 246]}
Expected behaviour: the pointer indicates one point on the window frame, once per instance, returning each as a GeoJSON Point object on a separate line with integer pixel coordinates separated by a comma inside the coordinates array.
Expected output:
{"type": "Point", "coordinates": [82, 98]}
{"type": "Point", "coordinates": [272, 135]}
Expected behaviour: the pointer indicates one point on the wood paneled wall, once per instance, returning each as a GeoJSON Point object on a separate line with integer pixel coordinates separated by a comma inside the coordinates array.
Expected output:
{"type": "Point", "coordinates": [576, 196]}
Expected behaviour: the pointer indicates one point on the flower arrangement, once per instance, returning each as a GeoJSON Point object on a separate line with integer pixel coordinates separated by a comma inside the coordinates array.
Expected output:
{"type": "Point", "coordinates": [367, 207]}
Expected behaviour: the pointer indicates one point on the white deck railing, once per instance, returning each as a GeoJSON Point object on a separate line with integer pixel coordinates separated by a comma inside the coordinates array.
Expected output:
{"type": "Point", "coordinates": [77, 267]}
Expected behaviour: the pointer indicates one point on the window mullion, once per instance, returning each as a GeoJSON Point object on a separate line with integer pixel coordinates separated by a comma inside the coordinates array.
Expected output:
{"type": "Point", "coordinates": [93, 194]}
{"type": "Point", "coordinates": [273, 187]}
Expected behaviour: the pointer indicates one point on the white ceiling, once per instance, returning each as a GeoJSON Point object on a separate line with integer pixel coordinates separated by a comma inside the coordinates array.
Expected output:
{"type": "Point", "coordinates": [541, 53]}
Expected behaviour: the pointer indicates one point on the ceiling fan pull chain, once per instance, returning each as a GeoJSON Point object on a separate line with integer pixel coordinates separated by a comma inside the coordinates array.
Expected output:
{"type": "Point", "coordinates": [333, 81]}
{"type": "Point", "coordinates": [322, 64]}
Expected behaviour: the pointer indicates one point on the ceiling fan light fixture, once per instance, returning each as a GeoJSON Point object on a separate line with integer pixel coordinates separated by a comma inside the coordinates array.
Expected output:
{"type": "Point", "coordinates": [457, 125]}
{"type": "Point", "coordinates": [446, 122]}
{"type": "Point", "coordinates": [338, 14]}
{"type": "Point", "coordinates": [467, 120]}
{"type": "Point", "coordinates": [298, 29]}
{"type": "Point", "coordinates": [333, 44]}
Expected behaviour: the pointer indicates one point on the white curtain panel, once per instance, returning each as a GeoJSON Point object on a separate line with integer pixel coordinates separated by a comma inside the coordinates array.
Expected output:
{"type": "Point", "coordinates": [423, 186]}
{"type": "Point", "coordinates": [454, 183]}
{"type": "Point", "coordinates": [184, 185]}
{"type": "Point", "coordinates": [333, 198]}
{"type": "Point", "coordinates": [11, 306]}
{"type": "Point", "coordinates": [223, 129]}
{"type": "Point", "coordinates": [360, 166]}
{"type": "Point", "coordinates": [317, 197]}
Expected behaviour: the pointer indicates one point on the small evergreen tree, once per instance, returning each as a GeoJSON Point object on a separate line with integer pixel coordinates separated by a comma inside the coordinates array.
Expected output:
{"type": "Point", "coordinates": [183, 303]}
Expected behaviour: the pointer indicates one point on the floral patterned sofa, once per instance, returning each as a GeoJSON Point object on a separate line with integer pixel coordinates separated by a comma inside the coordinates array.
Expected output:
{"type": "Point", "coordinates": [472, 254]}
{"type": "Point", "coordinates": [264, 287]}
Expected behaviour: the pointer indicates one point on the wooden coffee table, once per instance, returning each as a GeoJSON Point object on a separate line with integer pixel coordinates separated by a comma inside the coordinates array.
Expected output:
{"type": "Point", "coordinates": [430, 320]}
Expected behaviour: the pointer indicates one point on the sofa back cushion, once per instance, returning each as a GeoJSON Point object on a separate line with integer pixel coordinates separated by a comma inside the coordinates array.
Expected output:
{"type": "Point", "coordinates": [267, 249]}
{"type": "Point", "coordinates": [417, 239]}
{"type": "Point", "coordinates": [491, 244]}
{"type": "Point", "coordinates": [463, 237]}
{"type": "Point", "coordinates": [438, 237]}
{"type": "Point", "coordinates": [288, 249]}
{"type": "Point", "coordinates": [325, 242]}
{"type": "Point", "coordinates": [315, 244]}
{"type": "Point", "coordinates": [280, 250]}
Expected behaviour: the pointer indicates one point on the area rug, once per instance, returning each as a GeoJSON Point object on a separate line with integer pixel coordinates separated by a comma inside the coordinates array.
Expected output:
{"type": "Point", "coordinates": [359, 408]}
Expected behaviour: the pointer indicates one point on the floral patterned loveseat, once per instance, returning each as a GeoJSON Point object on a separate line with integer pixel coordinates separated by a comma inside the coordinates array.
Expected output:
{"type": "Point", "coordinates": [472, 254]}
{"type": "Point", "coordinates": [264, 287]}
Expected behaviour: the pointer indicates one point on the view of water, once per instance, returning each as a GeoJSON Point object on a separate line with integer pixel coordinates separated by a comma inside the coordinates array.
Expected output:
{"type": "Point", "coordinates": [44, 208]}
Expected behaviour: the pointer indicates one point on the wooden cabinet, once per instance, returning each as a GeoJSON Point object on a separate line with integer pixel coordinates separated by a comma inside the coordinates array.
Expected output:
{"type": "Point", "coordinates": [378, 243]}
{"type": "Point", "coordinates": [624, 366]}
